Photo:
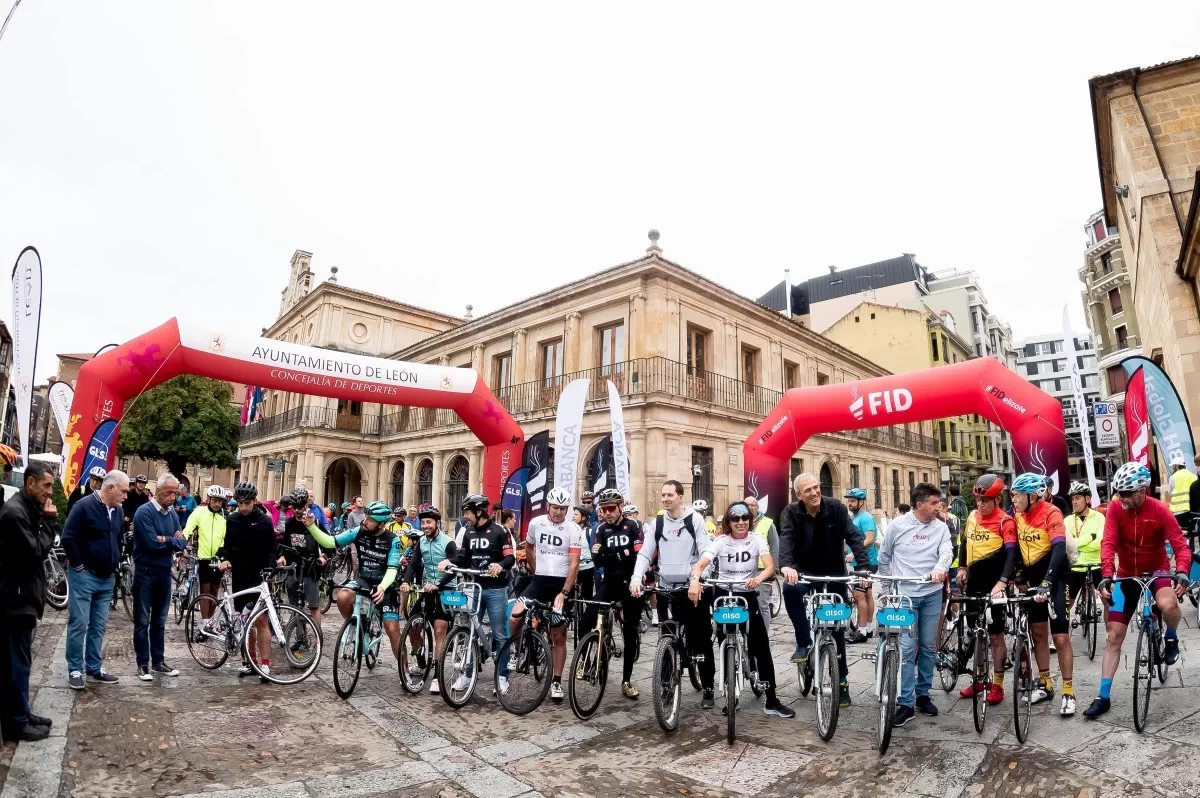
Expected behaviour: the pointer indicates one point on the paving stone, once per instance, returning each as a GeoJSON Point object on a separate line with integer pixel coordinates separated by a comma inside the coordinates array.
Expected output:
{"type": "Point", "coordinates": [375, 781]}
{"type": "Point", "coordinates": [486, 781]}
{"type": "Point", "coordinates": [745, 769]}
{"type": "Point", "coordinates": [499, 753]}
{"type": "Point", "coordinates": [946, 775]}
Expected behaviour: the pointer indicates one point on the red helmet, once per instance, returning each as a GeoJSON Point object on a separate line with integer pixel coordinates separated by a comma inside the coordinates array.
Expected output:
{"type": "Point", "coordinates": [988, 486]}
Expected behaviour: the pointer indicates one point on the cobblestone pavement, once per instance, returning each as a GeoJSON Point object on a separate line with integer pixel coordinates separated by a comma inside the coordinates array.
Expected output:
{"type": "Point", "coordinates": [204, 733]}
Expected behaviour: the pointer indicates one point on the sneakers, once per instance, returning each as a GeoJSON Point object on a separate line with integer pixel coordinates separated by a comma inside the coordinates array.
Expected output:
{"type": "Point", "coordinates": [144, 674]}
{"type": "Point", "coordinates": [1098, 708]}
{"type": "Point", "coordinates": [775, 707]}
{"type": "Point", "coordinates": [75, 682]}
{"type": "Point", "coordinates": [416, 670]}
{"type": "Point", "coordinates": [903, 715]}
{"type": "Point", "coordinates": [245, 671]}
{"type": "Point", "coordinates": [707, 702]}
{"type": "Point", "coordinates": [265, 672]}
{"type": "Point", "coordinates": [503, 682]}
{"type": "Point", "coordinates": [434, 687]}
{"type": "Point", "coordinates": [968, 691]}
{"type": "Point", "coordinates": [926, 706]}
{"type": "Point", "coordinates": [103, 677]}
{"type": "Point", "coordinates": [1041, 694]}
{"type": "Point", "coordinates": [995, 694]}
{"type": "Point", "coordinates": [1171, 650]}
{"type": "Point", "coordinates": [1067, 707]}
{"type": "Point", "coordinates": [800, 655]}
{"type": "Point", "coordinates": [844, 695]}
{"type": "Point", "coordinates": [628, 690]}
{"type": "Point", "coordinates": [461, 683]}
{"type": "Point", "coordinates": [163, 669]}
{"type": "Point", "coordinates": [30, 733]}
{"type": "Point", "coordinates": [556, 691]}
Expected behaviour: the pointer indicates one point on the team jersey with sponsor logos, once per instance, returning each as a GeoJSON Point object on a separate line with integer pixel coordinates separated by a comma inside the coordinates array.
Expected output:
{"type": "Point", "coordinates": [987, 536]}
{"type": "Point", "coordinates": [1038, 530]}
{"type": "Point", "coordinates": [737, 559]}
{"type": "Point", "coordinates": [554, 544]}
{"type": "Point", "coordinates": [619, 546]}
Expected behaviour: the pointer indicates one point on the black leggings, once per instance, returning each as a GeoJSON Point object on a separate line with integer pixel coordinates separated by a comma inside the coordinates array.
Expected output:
{"type": "Point", "coordinates": [758, 644]}
{"type": "Point", "coordinates": [631, 612]}
{"type": "Point", "coordinates": [698, 621]}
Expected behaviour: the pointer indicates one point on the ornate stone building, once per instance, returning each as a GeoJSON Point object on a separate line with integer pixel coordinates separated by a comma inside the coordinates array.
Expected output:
{"type": "Point", "coordinates": [697, 367]}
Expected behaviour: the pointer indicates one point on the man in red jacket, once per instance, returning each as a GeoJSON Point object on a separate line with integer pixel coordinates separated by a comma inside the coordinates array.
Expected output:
{"type": "Point", "coordinates": [1137, 530]}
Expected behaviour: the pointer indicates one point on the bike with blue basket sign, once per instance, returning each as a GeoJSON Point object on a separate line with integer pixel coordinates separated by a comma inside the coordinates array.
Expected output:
{"type": "Point", "coordinates": [827, 612]}
{"type": "Point", "coordinates": [895, 617]}
{"type": "Point", "coordinates": [359, 639]}
{"type": "Point", "coordinates": [466, 646]}
{"type": "Point", "coordinates": [731, 613]}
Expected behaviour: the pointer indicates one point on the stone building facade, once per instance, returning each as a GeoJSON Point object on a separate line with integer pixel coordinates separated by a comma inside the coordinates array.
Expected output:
{"type": "Point", "coordinates": [697, 367]}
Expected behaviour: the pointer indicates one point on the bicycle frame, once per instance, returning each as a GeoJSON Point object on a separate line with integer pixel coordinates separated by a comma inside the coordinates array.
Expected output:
{"type": "Point", "coordinates": [263, 591]}
{"type": "Point", "coordinates": [895, 617]}
{"type": "Point", "coordinates": [732, 614]}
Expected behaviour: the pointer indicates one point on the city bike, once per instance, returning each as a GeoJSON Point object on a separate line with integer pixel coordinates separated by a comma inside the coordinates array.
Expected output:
{"type": "Point", "coordinates": [528, 655]}
{"type": "Point", "coordinates": [776, 596]}
{"type": "Point", "coordinates": [359, 639]}
{"type": "Point", "coordinates": [894, 616]}
{"type": "Point", "coordinates": [827, 613]}
{"type": "Point", "coordinates": [671, 657]}
{"type": "Point", "coordinates": [731, 613]}
{"type": "Point", "coordinates": [467, 644]}
{"type": "Point", "coordinates": [589, 667]}
{"type": "Point", "coordinates": [58, 590]}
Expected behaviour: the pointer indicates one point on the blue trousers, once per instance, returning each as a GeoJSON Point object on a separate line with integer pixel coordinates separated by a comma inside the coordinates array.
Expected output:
{"type": "Point", "coordinates": [494, 602]}
{"type": "Point", "coordinates": [151, 601]}
{"type": "Point", "coordinates": [87, 619]}
{"type": "Point", "coordinates": [916, 681]}
{"type": "Point", "coordinates": [16, 657]}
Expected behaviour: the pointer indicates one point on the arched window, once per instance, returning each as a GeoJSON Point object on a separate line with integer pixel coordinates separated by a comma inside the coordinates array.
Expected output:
{"type": "Point", "coordinates": [826, 480]}
{"type": "Point", "coordinates": [398, 484]}
{"type": "Point", "coordinates": [425, 482]}
{"type": "Point", "coordinates": [457, 477]}
{"type": "Point", "coordinates": [591, 473]}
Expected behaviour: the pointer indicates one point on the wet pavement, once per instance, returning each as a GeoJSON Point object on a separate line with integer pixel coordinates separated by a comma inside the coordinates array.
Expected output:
{"type": "Point", "coordinates": [204, 733]}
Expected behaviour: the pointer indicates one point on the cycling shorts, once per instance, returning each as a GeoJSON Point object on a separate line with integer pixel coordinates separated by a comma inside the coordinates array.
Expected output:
{"type": "Point", "coordinates": [1039, 612]}
{"type": "Point", "coordinates": [207, 574]}
{"type": "Point", "coordinates": [389, 608]}
{"type": "Point", "coordinates": [432, 601]}
{"type": "Point", "coordinates": [545, 589]}
{"type": "Point", "coordinates": [981, 578]}
{"type": "Point", "coordinates": [1131, 593]}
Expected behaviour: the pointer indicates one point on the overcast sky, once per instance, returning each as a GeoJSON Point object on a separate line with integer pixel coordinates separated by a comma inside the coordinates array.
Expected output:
{"type": "Point", "coordinates": [168, 157]}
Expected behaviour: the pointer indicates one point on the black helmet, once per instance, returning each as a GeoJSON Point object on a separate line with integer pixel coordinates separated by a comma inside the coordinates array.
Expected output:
{"type": "Point", "coordinates": [610, 496]}
{"type": "Point", "coordinates": [245, 492]}
{"type": "Point", "coordinates": [141, 478]}
{"type": "Point", "coordinates": [477, 503]}
{"type": "Point", "coordinates": [430, 512]}
{"type": "Point", "coordinates": [299, 497]}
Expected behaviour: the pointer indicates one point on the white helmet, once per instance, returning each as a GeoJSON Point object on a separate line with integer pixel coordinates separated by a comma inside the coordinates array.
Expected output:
{"type": "Point", "coordinates": [215, 492]}
{"type": "Point", "coordinates": [559, 497]}
{"type": "Point", "coordinates": [1130, 477]}
{"type": "Point", "coordinates": [700, 506]}
{"type": "Point", "coordinates": [97, 472]}
{"type": "Point", "coordinates": [629, 509]}
{"type": "Point", "coordinates": [1178, 460]}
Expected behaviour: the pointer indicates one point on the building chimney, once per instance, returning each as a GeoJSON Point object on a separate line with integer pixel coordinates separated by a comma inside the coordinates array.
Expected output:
{"type": "Point", "coordinates": [833, 269]}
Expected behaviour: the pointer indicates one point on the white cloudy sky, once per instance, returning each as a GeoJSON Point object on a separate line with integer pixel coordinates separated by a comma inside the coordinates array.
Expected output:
{"type": "Point", "coordinates": [168, 157]}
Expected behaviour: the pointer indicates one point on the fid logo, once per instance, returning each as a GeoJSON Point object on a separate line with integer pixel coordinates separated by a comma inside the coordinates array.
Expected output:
{"type": "Point", "coordinates": [897, 400]}
{"type": "Point", "coordinates": [999, 394]}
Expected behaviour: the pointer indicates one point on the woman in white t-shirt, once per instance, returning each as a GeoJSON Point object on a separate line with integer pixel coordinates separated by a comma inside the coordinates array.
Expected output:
{"type": "Point", "coordinates": [736, 554]}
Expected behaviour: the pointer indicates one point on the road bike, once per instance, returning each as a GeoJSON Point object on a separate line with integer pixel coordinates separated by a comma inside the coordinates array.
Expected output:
{"type": "Point", "coordinates": [418, 657]}
{"type": "Point", "coordinates": [528, 656]}
{"type": "Point", "coordinates": [467, 644]}
{"type": "Point", "coordinates": [589, 667]}
{"type": "Point", "coordinates": [895, 616]}
{"type": "Point", "coordinates": [359, 639]}
{"type": "Point", "coordinates": [185, 586]}
{"type": "Point", "coordinates": [973, 620]}
{"type": "Point", "coordinates": [58, 589]}
{"type": "Point", "coordinates": [335, 575]}
{"type": "Point", "coordinates": [731, 613]}
{"type": "Point", "coordinates": [214, 630]}
{"type": "Point", "coordinates": [123, 583]}
{"type": "Point", "coordinates": [1086, 610]}
{"type": "Point", "coordinates": [1025, 670]}
{"type": "Point", "coordinates": [955, 645]}
{"type": "Point", "coordinates": [1150, 653]}
{"type": "Point", "coordinates": [827, 613]}
{"type": "Point", "coordinates": [671, 657]}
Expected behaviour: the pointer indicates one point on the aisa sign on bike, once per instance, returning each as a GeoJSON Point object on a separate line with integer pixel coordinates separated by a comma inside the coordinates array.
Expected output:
{"type": "Point", "coordinates": [1108, 436]}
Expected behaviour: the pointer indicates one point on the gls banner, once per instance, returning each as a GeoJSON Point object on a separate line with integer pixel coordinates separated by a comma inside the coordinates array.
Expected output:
{"type": "Point", "coordinates": [514, 495]}
{"type": "Point", "coordinates": [26, 322]}
{"type": "Point", "coordinates": [568, 426]}
{"type": "Point", "coordinates": [98, 447]}
{"type": "Point", "coordinates": [1166, 412]}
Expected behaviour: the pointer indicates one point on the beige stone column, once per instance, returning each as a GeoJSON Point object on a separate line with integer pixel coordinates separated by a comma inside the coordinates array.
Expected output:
{"type": "Point", "coordinates": [637, 473]}
{"type": "Point", "coordinates": [519, 373]}
{"type": "Point", "coordinates": [477, 360]}
{"type": "Point", "coordinates": [410, 479]}
{"type": "Point", "coordinates": [475, 483]}
{"type": "Point", "coordinates": [318, 481]}
{"type": "Point", "coordinates": [439, 489]}
{"type": "Point", "coordinates": [380, 484]}
{"type": "Point", "coordinates": [573, 356]}
{"type": "Point", "coordinates": [305, 470]}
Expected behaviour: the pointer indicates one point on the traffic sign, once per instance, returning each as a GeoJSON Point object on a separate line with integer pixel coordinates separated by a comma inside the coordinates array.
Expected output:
{"type": "Point", "coordinates": [1108, 435]}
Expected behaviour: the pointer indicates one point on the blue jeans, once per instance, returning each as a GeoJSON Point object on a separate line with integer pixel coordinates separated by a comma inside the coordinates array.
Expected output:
{"type": "Point", "coordinates": [16, 657]}
{"type": "Point", "coordinates": [151, 600]}
{"type": "Point", "coordinates": [494, 602]}
{"type": "Point", "coordinates": [87, 619]}
{"type": "Point", "coordinates": [928, 609]}
{"type": "Point", "coordinates": [793, 602]}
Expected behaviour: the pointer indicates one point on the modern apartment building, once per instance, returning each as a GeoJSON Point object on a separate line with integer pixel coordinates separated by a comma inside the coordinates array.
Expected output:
{"type": "Point", "coordinates": [1042, 360]}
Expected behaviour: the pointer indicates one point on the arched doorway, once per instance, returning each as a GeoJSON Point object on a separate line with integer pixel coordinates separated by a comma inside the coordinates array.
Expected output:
{"type": "Point", "coordinates": [457, 477]}
{"type": "Point", "coordinates": [398, 484]}
{"type": "Point", "coordinates": [343, 481]}
{"type": "Point", "coordinates": [425, 482]}
{"type": "Point", "coordinates": [826, 480]}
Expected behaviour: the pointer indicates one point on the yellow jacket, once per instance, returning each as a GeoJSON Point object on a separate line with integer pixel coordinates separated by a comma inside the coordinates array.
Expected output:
{"type": "Point", "coordinates": [211, 528]}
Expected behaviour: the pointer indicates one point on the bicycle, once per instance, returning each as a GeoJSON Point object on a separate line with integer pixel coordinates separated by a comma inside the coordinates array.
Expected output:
{"type": "Point", "coordinates": [731, 613]}
{"type": "Point", "coordinates": [894, 616]}
{"type": "Point", "coordinates": [329, 581]}
{"type": "Point", "coordinates": [58, 590]}
{"type": "Point", "coordinates": [827, 612]}
{"type": "Point", "coordinates": [417, 653]}
{"type": "Point", "coordinates": [359, 639]}
{"type": "Point", "coordinates": [1025, 671]}
{"type": "Point", "coordinates": [776, 596]}
{"type": "Point", "coordinates": [186, 585]}
{"type": "Point", "coordinates": [293, 634]}
{"type": "Point", "coordinates": [670, 656]}
{"type": "Point", "coordinates": [529, 660]}
{"type": "Point", "coordinates": [123, 583]}
{"type": "Point", "coordinates": [464, 651]}
{"type": "Point", "coordinates": [1150, 653]}
{"type": "Point", "coordinates": [589, 666]}
{"type": "Point", "coordinates": [973, 621]}
{"type": "Point", "coordinates": [955, 646]}
{"type": "Point", "coordinates": [1087, 611]}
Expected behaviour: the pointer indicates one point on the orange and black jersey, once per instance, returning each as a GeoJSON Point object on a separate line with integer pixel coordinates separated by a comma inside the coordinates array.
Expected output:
{"type": "Point", "coordinates": [619, 546]}
{"type": "Point", "coordinates": [985, 537]}
{"type": "Point", "coordinates": [1038, 530]}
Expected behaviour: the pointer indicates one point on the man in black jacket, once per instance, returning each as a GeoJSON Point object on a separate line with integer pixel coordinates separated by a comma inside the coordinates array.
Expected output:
{"type": "Point", "coordinates": [814, 534]}
{"type": "Point", "coordinates": [25, 543]}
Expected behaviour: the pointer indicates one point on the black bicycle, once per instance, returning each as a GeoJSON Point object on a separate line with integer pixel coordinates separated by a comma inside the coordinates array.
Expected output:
{"type": "Point", "coordinates": [528, 655]}
{"type": "Point", "coordinates": [1088, 616]}
{"type": "Point", "coordinates": [1025, 670]}
{"type": "Point", "coordinates": [417, 653]}
{"type": "Point", "coordinates": [671, 658]}
{"type": "Point", "coordinates": [588, 675]}
{"type": "Point", "coordinates": [972, 622]}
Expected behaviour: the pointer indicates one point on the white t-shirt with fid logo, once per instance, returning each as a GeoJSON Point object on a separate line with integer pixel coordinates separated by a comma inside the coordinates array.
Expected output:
{"type": "Point", "coordinates": [554, 543]}
{"type": "Point", "coordinates": [737, 559]}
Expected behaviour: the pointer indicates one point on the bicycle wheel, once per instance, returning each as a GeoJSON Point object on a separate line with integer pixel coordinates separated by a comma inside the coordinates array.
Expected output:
{"type": "Point", "coordinates": [416, 655]}
{"type": "Point", "coordinates": [588, 676]}
{"type": "Point", "coordinates": [1143, 678]}
{"type": "Point", "coordinates": [347, 658]}
{"type": "Point", "coordinates": [295, 654]}
{"type": "Point", "coordinates": [828, 694]}
{"type": "Point", "coordinates": [325, 588]}
{"type": "Point", "coordinates": [730, 665]}
{"type": "Point", "coordinates": [948, 657]}
{"type": "Point", "coordinates": [804, 676]}
{"type": "Point", "coordinates": [126, 579]}
{"type": "Point", "coordinates": [887, 696]}
{"type": "Point", "coordinates": [529, 672]}
{"type": "Point", "coordinates": [1160, 653]}
{"type": "Point", "coordinates": [57, 589]}
{"type": "Point", "coordinates": [776, 598]}
{"type": "Point", "coordinates": [666, 689]}
{"type": "Point", "coordinates": [979, 679]}
{"type": "Point", "coordinates": [209, 640]}
{"type": "Point", "coordinates": [458, 668]}
{"type": "Point", "coordinates": [1024, 677]}
{"type": "Point", "coordinates": [1091, 620]}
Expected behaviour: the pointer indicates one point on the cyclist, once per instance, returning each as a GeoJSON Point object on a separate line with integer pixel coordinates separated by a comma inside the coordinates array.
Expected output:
{"type": "Point", "coordinates": [1136, 531]}
{"type": "Point", "coordinates": [1041, 539]}
{"type": "Point", "coordinates": [659, 609]}
{"type": "Point", "coordinates": [553, 547]}
{"type": "Point", "coordinates": [738, 555]}
{"type": "Point", "coordinates": [1086, 526]}
{"type": "Point", "coordinates": [618, 541]}
{"type": "Point", "coordinates": [247, 550]}
{"type": "Point", "coordinates": [988, 549]}
{"type": "Point", "coordinates": [304, 552]}
{"type": "Point", "coordinates": [701, 506]}
{"type": "Point", "coordinates": [208, 524]}
{"type": "Point", "coordinates": [588, 500]}
{"type": "Point", "coordinates": [398, 525]}
{"type": "Point", "coordinates": [815, 530]}
{"type": "Point", "coordinates": [587, 567]}
{"type": "Point", "coordinates": [856, 506]}
{"type": "Point", "coordinates": [678, 540]}
{"type": "Point", "coordinates": [1180, 485]}
{"type": "Point", "coordinates": [486, 546]}
{"type": "Point", "coordinates": [433, 546]}
{"type": "Point", "coordinates": [92, 484]}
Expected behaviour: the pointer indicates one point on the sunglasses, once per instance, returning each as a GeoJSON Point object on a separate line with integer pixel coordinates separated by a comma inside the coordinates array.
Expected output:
{"type": "Point", "coordinates": [610, 508]}
{"type": "Point", "coordinates": [737, 519]}
{"type": "Point", "coordinates": [1125, 494]}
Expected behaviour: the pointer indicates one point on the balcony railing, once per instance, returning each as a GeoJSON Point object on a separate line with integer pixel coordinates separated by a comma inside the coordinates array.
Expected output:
{"type": "Point", "coordinates": [311, 417]}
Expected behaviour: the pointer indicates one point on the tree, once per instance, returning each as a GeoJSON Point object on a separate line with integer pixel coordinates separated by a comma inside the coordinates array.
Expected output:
{"type": "Point", "coordinates": [59, 497]}
{"type": "Point", "coordinates": [187, 419]}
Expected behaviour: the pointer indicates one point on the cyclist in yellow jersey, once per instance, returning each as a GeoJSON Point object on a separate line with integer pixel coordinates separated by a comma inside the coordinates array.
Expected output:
{"type": "Point", "coordinates": [1086, 526]}
{"type": "Point", "coordinates": [400, 527]}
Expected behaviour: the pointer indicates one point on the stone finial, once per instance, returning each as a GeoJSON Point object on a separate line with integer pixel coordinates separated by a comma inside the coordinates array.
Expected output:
{"type": "Point", "coordinates": [653, 248]}
{"type": "Point", "coordinates": [470, 313]}
{"type": "Point", "coordinates": [333, 270]}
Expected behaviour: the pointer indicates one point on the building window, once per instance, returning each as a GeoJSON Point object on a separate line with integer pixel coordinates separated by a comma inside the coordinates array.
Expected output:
{"type": "Point", "coordinates": [702, 474]}
{"type": "Point", "coordinates": [895, 487]}
{"type": "Point", "coordinates": [1098, 230]}
{"type": "Point", "coordinates": [123, 464]}
{"type": "Point", "coordinates": [978, 350]}
{"type": "Point", "coordinates": [1118, 380]}
{"type": "Point", "coordinates": [954, 357]}
{"type": "Point", "coordinates": [953, 437]}
{"type": "Point", "coordinates": [425, 482]}
{"type": "Point", "coordinates": [1031, 369]}
{"type": "Point", "coordinates": [925, 476]}
{"type": "Point", "coordinates": [942, 435]}
{"type": "Point", "coordinates": [974, 322]}
{"type": "Point", "coordinates": [945, 348]}
{"type": "Point", "coordinates": [1106, 263]}
{"type": "Point", "coordinates": [933, 339]}
{"type": "Point", "coordinates": [501, 372]}
{"type": "Point", "coordinates": [1114, 300]}
{"type": "Point", "coordinates": [749, 367]}
{"type": "Point", "coordinates": [978, 448]}
{"type": "Point", "coordinates": [398, 484]}
{"type": "Point", "coordinates": [826, 478]}
{"type": "Point", "coordinates": [610, 343]}
{"type": "Point", "coordinates": [1122, 337]}
{"type": "Point", "coordinates": [552, 363]}
{"type": "Point", "coordinates": [875, 475]}
{"type": "Point", "coordinates": [697, 350]}
{"type": "Point", "coordinates": [853, 475]}
{"type": "Point", "coordinates": [912, 481]}
{"type": "Point", "coordinates": [457, 477]}
{"type": "Point", "coordinates": [1004, 456]}
{"type": "Point", "coordinates": [822, 379]}
{"type": "Point", "coordinates": [791, 376]}
{"type": "Point", "coordinates": [796, 469]}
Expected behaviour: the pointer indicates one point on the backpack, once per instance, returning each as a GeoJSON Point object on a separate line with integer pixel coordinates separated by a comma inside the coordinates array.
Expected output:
{"type": "Point", "coordinates": [660, 521]}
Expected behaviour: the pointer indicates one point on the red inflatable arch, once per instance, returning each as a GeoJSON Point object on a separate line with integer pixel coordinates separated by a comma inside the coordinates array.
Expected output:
{"type": "Point", "coordinates": [984, 386]}
{"type": "Point", "coordinates": [107, 382]}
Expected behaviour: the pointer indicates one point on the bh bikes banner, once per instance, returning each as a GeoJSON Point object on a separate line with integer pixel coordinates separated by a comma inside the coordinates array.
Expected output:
{"type": "Point", "coordinates": [536, 460]}
{"type": "Point", "coordinates": [1166, 412]}
{"type": "Point", "coordinates": [1081, 405]}
{"type": "Point", "coordinates": [568, 425]}
{"type": "Point", "coordinates": [616, 417]}
{"type": "Point", "coordinates": [60, 397]}
{"type": "Point", "coordinates": [26, 321]}
{"type": "Point", "coordinates": [1137, 420]}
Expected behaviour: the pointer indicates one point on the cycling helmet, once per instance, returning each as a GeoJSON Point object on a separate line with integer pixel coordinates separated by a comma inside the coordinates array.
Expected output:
{"type": "Point", "coordinates": [299, 497]}
{"type": "Point", "coordinates": [141, 478]}
{"type": "Point", "coordinates": [479, 504]}
{"type": "Point", "coordinates": [988, 486]}
{"type": "Point", "coordinates": [609, 497]}
{"type": "Point", "coordinates": [587, 494]}
{"type": "Point", "coordinates": [245, 492]}
{"type": "Point", "coordinates": [1130, 477]}
{"type": "Point", "coordinates": [629, 509]}
{"type": "Point", "coordinates": [1179, 460]}
{"type": "Point", "coordinates": [1029, 483]}
{"type": "Point", "coordinates": [584, 511]}
{"type": "Point", "coordinates": [379, 511]}
{"type": "Point", "coordinates": [1079, 489]}
{"type": "Point", "coordinates": [856, 493]}
{"type": "Point", "coordinates": [215, 492]}
{"type": "Point", "coordinates": [700, 506]}
{"type": "Point", "coordinates": [345, 506]}
{"type": "Point", "coordinates": [559, 497]}
{"type": "Point", "coordinates": [430, 512]}
{"type": "Point", "coordinates": [97, 472]}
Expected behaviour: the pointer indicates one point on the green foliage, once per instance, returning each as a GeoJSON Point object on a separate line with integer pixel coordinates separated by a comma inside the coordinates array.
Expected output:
{"type": "Point", "coordinates": [187, 419]}
{"type": "Point", "coordinates": [59, 497]}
